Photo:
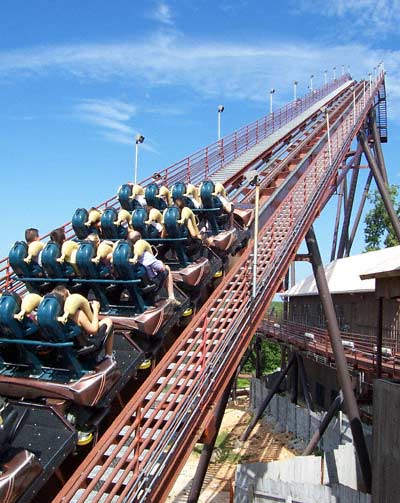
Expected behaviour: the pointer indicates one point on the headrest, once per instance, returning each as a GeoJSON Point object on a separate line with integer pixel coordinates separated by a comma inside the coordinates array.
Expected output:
{"type": "Point", "coordinates": [72, 304]}
{"type": "Point", "coordinates": [34, 249]}
{"type": "Point", "coordinates": [49, 311]}
{"type": "Point", "coordinates": [171, 222]}
{"type": "Point", "coordinates": [29, 303]}
{"type": "Point", "coordinates": [10, 304]}
{"type": "Point", "coordinates": [17, 256]}
{"type": "Point", "coordinates": [165, 193]}
{"type": "Point", "coordinates": [93, 217]}
{"type": "Point", "coordinates": [109, 229]}
{"type": "Point", "coordinates": [139, 248]}
{"type": "Point", "coordinates": [124, 197]}
{"type": "Point", "coordinates": [124, 216]}
{"type": "Point", "coordinates": [219, 190]}
{"type": "Point", "coordinates": [139, 217]}
{"type": "Point", "coordinates": [155, 216]}
{"type": "Point", "coordinates": [137, 190]}
{"type": "Point", "coordinates": [79, 220]}
{"type": "Point", "coordinates": [178, 190]}
{"type": "Point", "coordinates": [152, 197]}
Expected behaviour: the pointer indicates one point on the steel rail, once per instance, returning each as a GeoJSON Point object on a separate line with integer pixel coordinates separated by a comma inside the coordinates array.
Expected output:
{"type": "Point", "coordinates": [272, 242]}
{"type": "Point", "coordinates": [362, 356]}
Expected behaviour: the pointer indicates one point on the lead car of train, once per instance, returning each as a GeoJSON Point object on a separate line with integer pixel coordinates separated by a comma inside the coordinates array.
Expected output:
{"type": "Point", "coordinates": [56, 385]}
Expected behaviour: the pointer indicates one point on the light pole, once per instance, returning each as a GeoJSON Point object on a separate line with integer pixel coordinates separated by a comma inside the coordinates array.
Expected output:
{"type": "Point", "coordinates": [295, 90]}
{"type": "Point", "coordinates": [270, 100]}
{"type": "Point", "coordinates": [252, 178]}
{"type": "Point", "coordinates": [311, 82]}
{"type": "Point", "coordinates": [342, 69]}
{"type": "Point", "coordinates": [334, 73]}
{"type": "Point", "coordinates": [138, 139]}
{"type": "Point", "coordinates": [221, 108]}
{"type": "Point", "coordinates": [326, 76]}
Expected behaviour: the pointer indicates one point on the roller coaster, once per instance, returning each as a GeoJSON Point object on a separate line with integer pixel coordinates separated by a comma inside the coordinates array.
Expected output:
{"type": "Point", "coordinates": [58, 393]}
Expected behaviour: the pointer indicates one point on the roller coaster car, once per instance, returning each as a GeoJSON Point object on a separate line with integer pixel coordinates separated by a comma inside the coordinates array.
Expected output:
{"type": "Point", "coordinates": [129, 195]}
{"type": "Point", "coordinates": [24, 266]}
{"type": "Point", "coordinates": [153, 197]}
{"type": "Point", "coordinates": [152, 314]}
{"type": "Point", "coordinates": [225, 241]}
{"type": "Point", "coordinates": [58, 366]}
{"type": "Point", "coordinates": [191, 263]}
{"type": "Point", "coordinates": [18, 466]}
{"type": "Point", "coordinates": [178, 191]}
{"type": "Point", "coordinates": [84, 224]}
{"type": "Point", "coordinates": [110, 225]}
{"type": "Point", "coordinates": [51, 264]}
{"type": "Point", "coordinates": [139, 223]}
{"type": "Point", "coordinates": [50, 439]}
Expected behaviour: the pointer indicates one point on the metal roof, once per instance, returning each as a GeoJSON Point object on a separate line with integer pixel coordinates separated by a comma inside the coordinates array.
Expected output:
{"type": "Point", "coordinates": [345, 275]}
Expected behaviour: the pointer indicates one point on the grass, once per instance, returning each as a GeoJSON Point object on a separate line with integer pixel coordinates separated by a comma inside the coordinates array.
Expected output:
{"type": "Point", "coordinates": [242, 383]}
{"type": "Point", "coordinates": [224, 445]}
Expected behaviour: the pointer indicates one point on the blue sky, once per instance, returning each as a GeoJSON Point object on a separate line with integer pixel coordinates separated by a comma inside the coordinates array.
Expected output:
{"type": "Point", "coordinates": [79, 79]}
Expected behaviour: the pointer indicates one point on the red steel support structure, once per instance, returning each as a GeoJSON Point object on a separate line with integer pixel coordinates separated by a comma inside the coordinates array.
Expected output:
{"type": "Point", "coordinates": [141, 454]}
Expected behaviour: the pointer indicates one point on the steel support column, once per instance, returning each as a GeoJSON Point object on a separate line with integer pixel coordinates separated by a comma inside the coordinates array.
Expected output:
{"type": "Point", "coordinates": [259, 362]}
{"type": "Point", "coordinates": [383, 189]}
{"type": "Point", "coordinates": [337, 221]}
{"type": "Point", "coordinates": [294, 381]}
{"type": "Point", "coordinates": [359, 213]}
{"type": "Point", "coordinates": [379, 338]}
{"type": "Point", "coordinates": [285, 299]}
{"type": "Point", "coordinates": [340, 359]}
{"type": "Point", "coordinates": [333, 409]}
{"type": "Point", "coordinates": [344, 237]}
{"type": "Point", "coordinates": [378, 145]}
{"type": "Point", "coordinates": [304, 382]}
{"type": "Point", "coordinates": [268, 398]}
{"type": "Point", "coordinates": [207, 450]}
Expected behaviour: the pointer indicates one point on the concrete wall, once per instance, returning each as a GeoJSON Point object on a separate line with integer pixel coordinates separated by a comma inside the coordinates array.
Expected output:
{"type": "Point", "coordinates": [386, 444]}
{"type": "Point", "coordinates": [297, 480]}
{"type": "Point", "coordinates": [299, 421]}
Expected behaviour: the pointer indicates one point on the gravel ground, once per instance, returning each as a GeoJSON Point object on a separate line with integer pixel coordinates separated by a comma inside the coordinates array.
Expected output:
{"type": "Point", "coordinates": [262, 446]}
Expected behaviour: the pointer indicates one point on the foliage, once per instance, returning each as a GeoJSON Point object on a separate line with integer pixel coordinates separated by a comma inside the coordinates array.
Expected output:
{"type": "Point", "coordinates": [378, 231]}
{"type": "Point", "coordinates": [276, 309]}
{"type": "Point", "coordinates": [270, 356]}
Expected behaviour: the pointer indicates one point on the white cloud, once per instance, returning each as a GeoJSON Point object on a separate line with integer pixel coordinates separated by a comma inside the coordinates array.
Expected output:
{"type": "Point", "coordinates": [371, 18]}
{"type": "Point", "coordinates": [112, 117]}
{"type": "Point", "coordinates": [229, 70]}
{"type": "Point", "coordinates": [163, 14]}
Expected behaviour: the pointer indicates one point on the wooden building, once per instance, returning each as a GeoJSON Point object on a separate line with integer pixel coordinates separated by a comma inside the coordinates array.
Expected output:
{"type": "Point", "coordinates": [363, 287]}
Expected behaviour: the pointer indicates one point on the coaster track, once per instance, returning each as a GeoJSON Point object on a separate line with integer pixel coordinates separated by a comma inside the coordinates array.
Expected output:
{"type": "Point", "coordinates": [141, 454]}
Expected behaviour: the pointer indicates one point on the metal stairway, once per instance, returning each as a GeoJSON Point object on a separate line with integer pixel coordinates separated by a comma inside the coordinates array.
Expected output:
{"type": "Point", "coordinates": [279, 132]}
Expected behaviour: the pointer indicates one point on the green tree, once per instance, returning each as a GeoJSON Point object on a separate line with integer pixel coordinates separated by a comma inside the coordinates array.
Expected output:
{"type": "Point", "coordinates": [271, 358]}
{"type": "Point", "coordinates": [378, 231]}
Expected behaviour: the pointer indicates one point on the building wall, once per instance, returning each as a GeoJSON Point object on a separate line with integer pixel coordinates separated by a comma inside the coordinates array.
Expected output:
{"type": "Point", "coordinates": [386, 442]}
{"type": "Point", "coordinates": [355, 313]}
{"type": "Point", "coordinates": [322, 381]}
